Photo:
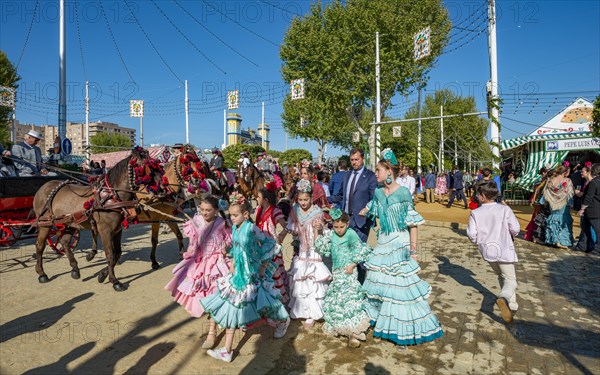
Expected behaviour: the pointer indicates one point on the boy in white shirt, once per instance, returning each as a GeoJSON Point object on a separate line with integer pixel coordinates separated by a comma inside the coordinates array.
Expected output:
{"type": "Point", "coordinates": [492, 227]}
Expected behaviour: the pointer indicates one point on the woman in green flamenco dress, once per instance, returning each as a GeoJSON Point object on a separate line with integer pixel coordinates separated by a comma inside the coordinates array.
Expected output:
{"type": "Point", "coordinates": [396, 296]}
{"type": "Point", "coordinates": [343, 306]}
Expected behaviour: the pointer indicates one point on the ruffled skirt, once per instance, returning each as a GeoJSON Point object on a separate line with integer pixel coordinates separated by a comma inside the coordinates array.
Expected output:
{"type": "Point", "coordinates": [559, 227]}
{"type": "Point", "coordinates": [396, 296]}
{"type": "Point", "coordinates": [233, 308]}
{"type": "Point", "coordinates": [344, 309]}
{"type": "Point", "coordinates": [193, 280]}
{"type": "Point", "coordinates": [308, 280]}
{"type": "Point", "coordinates": [280, 277]}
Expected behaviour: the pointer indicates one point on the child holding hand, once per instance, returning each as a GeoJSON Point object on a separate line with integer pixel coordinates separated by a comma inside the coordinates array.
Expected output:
{"type": "Point", "coordinates": [344, 309]}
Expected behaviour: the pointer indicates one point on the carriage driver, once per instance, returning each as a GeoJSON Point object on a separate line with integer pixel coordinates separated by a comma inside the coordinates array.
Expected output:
{"type": "Point", "coordinates": [28, 156]}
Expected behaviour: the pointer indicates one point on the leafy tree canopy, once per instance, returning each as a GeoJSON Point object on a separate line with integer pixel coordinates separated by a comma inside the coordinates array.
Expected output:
{"type": "Point", "coordinates": [333, 49]}
{"type": "Point", "coordinates": [9, 78]}
{"type": "Point", "coordinates": [294, 155]}
{"type": "Point", "coordinates": [467, 133]}
{"type": "Point", "coordinates": [232, 153]}
{"type": "Point", "coordinates": [108, 142]}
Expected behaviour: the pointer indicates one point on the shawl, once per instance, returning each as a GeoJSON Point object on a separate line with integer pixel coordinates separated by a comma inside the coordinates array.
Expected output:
{"type": "Point", "coordinates": [558, 196]}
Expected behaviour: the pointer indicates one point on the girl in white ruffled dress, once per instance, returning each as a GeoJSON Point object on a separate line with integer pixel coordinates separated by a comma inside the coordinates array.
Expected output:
{"type": "Point", "coordinates": [308, 276]}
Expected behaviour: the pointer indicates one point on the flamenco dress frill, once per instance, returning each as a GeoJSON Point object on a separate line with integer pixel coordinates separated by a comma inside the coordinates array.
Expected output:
{"type": "Point", "coordinates": [344, 304]}
{"type": "Point", "coordinates": [396, 296]}
{"type": "Point", "coordinates": [308, 276]}
{"type": "Point", "coordinates": [559, 224]}
{"type": "Point", "coordinates": [243, 297]}
{"type": "Point", "coordinates": [267, 221]}
{"type": "Point", "coordinates": [196, 275]}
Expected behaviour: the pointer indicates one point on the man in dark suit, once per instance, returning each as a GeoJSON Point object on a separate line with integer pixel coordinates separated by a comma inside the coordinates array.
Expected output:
{"type": "Point", "coordinates": [458, 187]}
{"type": "Point", "coordinates": [358, 189]}
{"type": "Point", "coordinates": [590, 207]}
{"type": "Point", "coordinates": [337, 180]}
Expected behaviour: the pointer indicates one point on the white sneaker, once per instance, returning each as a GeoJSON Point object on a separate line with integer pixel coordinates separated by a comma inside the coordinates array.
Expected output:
{"type": "Point", "coordinates": [362, 336]}
{"type": "Point", "coordinates": [282, 329]}
{"type": "Point", "coordinates": [221, 354]}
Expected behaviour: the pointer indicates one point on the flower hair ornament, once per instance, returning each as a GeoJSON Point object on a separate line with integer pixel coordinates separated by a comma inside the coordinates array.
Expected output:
{"type": "Point", "coordinates": [388, 155]}
{"type": "Point", "coordinates": [305, 163]}
{"type": "Point", "coordinates": [588, 164]}
{"type": "Point", "coordinates": [272, 186]}
{"type": "Point", "coordinates": [237, 199]}
{"type": "Point", "coordinates": [335, 213]}
{"type": "Point", "coordinates": [223, 205]}
{"type": "Point", "coordinates": [303, 186]}
{"type": "Point", "coordinates": [566, 163]}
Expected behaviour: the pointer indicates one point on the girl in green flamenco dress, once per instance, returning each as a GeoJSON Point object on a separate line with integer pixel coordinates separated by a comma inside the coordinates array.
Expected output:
{"type": "Point", "coordinates": [396, 296]}
{"type": "Point", "coordinates": [248, 294]}
{"type": "Point", "coordinates": [343, 309]}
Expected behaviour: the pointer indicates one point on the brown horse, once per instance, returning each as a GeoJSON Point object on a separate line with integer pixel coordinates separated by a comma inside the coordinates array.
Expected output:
{"type": "Point", "coordinates": [250, 181]}
{"type": "Point", "coordinates": [71, 207]}
{"type": "Point", "coordinates": [180, 188]}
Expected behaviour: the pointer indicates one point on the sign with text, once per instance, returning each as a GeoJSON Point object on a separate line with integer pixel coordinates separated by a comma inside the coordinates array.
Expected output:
{"type": "Point", "coordinates": [136, 108]}
{"type": "Point", "coordinates": [356, 137]}
{"type": "Point", "coordinates": [573, 144]}
{"type": "Point", "coordinates": [397, 131]}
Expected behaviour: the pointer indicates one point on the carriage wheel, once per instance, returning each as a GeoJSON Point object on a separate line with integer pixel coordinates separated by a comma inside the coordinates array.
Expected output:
{"type": "Point", "coordinates": [55, 236]}
{"type": "Point", "coordinates": [7, 236]}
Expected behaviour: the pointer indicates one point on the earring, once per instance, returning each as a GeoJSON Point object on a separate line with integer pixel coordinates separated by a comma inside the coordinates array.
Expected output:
{"type": "Point", "coordinates": [388, 180]}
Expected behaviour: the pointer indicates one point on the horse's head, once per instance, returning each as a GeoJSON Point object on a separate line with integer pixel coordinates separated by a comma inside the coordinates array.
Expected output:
{"type": "Point", "coordinates": [146, 173]}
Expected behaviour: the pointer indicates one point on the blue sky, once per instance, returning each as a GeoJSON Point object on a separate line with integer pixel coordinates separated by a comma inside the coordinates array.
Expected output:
{"type": "Point", "coordinates": [547, 50]}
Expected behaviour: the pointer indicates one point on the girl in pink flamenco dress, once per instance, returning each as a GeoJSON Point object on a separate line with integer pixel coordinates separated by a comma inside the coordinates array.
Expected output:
{"type": "Point", "coordinates": [205, 260]}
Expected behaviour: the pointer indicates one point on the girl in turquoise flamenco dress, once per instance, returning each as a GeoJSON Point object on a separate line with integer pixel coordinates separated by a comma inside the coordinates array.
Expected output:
{"type": "Point", "coordinates": [248, 294]}
{"type": "Point", "coordinates": [396, 296]}
{"type": "Point", "coordinates": [343, 306]}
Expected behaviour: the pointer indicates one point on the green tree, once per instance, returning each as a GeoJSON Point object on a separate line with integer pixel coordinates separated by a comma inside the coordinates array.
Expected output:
{"type": "Point", "coordinates": [8, 78]}
{"type": "Point", "coordinates": [294, 155]}
{"type": "Point", "coordinates": [232, 153]}
{"type": "Point", "coordinates": [109, 142]}
{"type": "Point", "coordinates": [596, 118]}
{"type": "Point", "coordinates": [467, 133]}
{"type": "Point", "coordinates": [333, 48]}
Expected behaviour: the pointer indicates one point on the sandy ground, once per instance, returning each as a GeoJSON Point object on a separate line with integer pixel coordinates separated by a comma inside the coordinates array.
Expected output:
{"type": "Point", "coordinates": [83, 327]}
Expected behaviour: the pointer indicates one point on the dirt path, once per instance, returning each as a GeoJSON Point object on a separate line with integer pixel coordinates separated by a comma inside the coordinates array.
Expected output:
{"type": "Point", "coordinates": [83, 327]}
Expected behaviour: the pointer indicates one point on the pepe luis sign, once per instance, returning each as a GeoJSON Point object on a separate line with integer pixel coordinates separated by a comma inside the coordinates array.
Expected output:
{"type": "Point", "coordinates": [573, 144]}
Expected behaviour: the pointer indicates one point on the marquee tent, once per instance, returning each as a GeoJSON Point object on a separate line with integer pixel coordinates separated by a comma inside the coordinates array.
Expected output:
{"type": "Point", "coordinates": [547, 146]}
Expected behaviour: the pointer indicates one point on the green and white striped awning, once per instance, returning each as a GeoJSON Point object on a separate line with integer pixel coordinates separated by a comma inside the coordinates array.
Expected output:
{"type": "Point", "coordinates": [516, 142]}
{"type": "Point", "coordinates": [538, 158]}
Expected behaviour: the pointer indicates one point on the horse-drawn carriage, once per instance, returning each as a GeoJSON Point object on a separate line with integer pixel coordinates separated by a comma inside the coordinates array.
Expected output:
{"type": "Point", "coordinates": [17, 219]}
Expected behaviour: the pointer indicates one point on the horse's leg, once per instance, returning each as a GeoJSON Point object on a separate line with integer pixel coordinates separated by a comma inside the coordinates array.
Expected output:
{"type": "Point", "coordinates": [91, 254]}
{"type": "Point", "coordinates": [65, 240]}
{"type": "Point", "coordinates": [175, 228]}
{"type": "Point", "coordinates": [118, 251]}
{"type": "Point", "coordinates": [40, 245]}
{"type": "Point", "coordinates": [154, 241]}
{"type": "Point", "coordinates": [108, 239]}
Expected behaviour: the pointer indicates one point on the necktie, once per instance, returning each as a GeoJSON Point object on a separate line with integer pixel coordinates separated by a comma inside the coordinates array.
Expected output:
{"type": "Point", "coordinates": [351, 192]}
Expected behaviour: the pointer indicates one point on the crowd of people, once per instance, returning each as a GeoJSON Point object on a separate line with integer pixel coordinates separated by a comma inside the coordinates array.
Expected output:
{"type": "Point", "coordinates": [555, 196]}
{"type": "Point", "coordinates": [234, 272]}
